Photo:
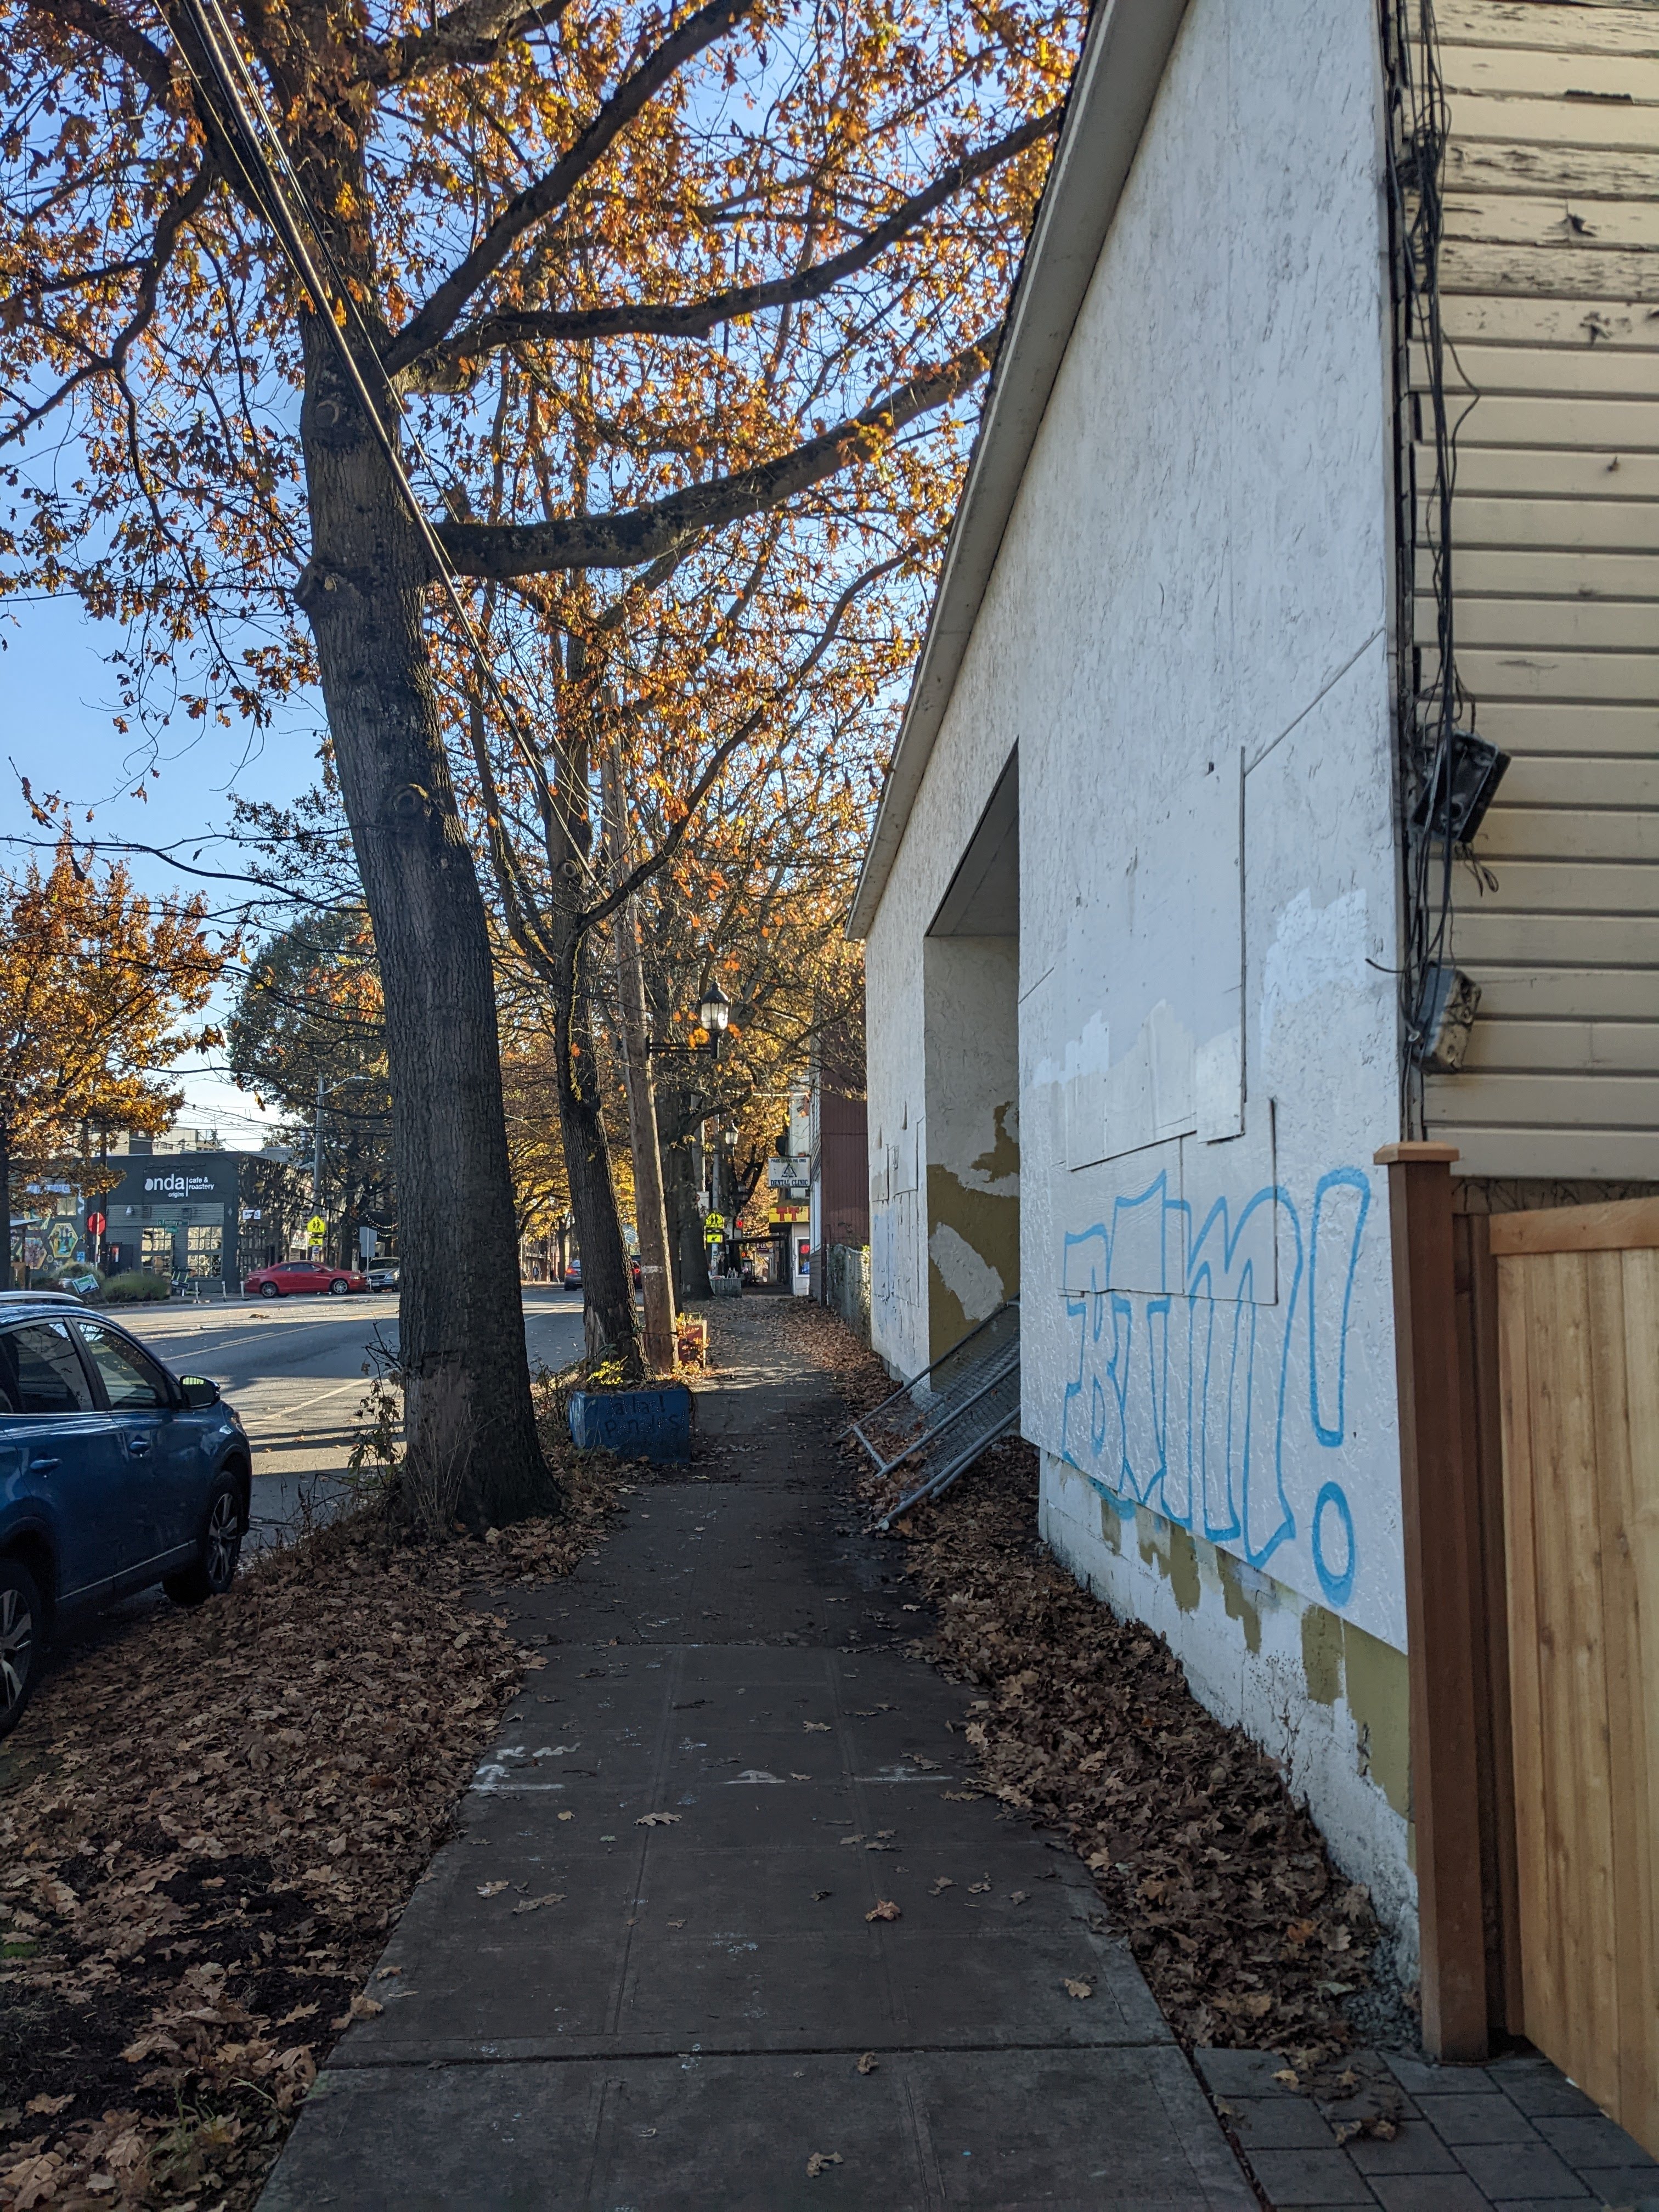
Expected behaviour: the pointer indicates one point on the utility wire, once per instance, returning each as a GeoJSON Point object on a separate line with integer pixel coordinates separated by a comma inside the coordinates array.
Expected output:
{"type": "Point", "coordinates": [249, 128]}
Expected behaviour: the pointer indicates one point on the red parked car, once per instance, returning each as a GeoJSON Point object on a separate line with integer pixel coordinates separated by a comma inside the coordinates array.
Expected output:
{"type": "Point", "coordinates": [289, 1277]}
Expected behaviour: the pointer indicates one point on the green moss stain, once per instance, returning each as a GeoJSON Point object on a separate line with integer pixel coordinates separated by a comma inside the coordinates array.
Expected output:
{"type": "Point", "coordinates": [1111, 1526]}
{"type": "Point", "coordinates": [1240, 1606]}
{"type": "Point", "coordinates": [1379, 1697]}
{"type": "Point", "coordinates": [1321, 1654]}
{"type": "Point", "coordinates": [1183, 1570]}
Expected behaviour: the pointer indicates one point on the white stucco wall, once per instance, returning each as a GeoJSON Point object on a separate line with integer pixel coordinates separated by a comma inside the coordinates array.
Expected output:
{"type": "Point", "coordinates": [1186, 634]}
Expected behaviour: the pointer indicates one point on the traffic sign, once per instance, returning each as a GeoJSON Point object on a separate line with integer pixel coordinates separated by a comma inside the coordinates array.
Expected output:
{"type": "Point", "coordinates": [714, 1226]}
{"type": "Point", "coordinates": [95, 1223]}
{"type": "Point", "coordinates": [316, 1229]}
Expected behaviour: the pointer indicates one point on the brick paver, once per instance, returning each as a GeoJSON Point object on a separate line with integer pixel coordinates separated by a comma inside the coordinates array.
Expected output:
{"type": "Point", "coordinates": [1513, 2136]}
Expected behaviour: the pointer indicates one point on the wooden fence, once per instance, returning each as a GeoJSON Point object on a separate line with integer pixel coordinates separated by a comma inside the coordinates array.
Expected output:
{"type": "Point", "coordinates": [1578, 1357]}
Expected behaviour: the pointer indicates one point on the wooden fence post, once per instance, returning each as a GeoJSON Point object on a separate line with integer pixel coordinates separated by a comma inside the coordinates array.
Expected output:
{"type": "Point", "coordinates": [1440, 1527]}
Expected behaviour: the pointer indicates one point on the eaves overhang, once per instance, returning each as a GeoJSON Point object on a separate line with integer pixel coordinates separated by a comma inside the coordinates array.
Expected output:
{"type": "Point", "coordinates": [1122, 65]}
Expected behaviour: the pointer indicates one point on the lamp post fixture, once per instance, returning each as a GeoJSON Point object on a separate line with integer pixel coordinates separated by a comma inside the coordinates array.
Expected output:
{"type": "Point", "coordinates": [714, 1012]}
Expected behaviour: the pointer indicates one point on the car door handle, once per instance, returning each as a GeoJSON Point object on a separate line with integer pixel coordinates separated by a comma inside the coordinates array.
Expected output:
{"type": "Point", "coordinates": [43, 1466]}
{"type": "Point", "coordinates": [138, 1446]}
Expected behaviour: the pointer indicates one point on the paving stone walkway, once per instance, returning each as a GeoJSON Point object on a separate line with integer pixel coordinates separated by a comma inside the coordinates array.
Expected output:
{"type": "Point", "coordinates": [644, 1975]}
{"type": "Point", "coordinates": [1516, 2136]}
{"type": "Point", "coordinates": [651, 1970]}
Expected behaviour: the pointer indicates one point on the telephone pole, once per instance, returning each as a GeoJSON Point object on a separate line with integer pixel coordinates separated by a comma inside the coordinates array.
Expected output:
{"type": "Point", "coordinates": [650, 1207]}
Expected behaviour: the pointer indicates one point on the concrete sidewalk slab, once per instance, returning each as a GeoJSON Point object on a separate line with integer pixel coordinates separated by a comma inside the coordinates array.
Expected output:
{"type": "Point", "coordinates": [644, 1971]}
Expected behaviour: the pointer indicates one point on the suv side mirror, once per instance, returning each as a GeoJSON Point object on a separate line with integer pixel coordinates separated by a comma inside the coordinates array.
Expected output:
{"type": "Point", "coordinates": [199, 1392]}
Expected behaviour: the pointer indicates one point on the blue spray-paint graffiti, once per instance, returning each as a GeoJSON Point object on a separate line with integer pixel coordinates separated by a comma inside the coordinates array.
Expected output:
{"type": "Point", "coordinates": [1182, 1391]}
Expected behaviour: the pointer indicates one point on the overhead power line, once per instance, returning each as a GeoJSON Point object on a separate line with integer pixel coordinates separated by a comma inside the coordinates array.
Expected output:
{"type": "Point", "coordinates": [249, 131]}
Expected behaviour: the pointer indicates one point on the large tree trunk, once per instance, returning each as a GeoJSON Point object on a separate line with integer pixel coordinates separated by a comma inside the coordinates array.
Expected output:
{"type": "Point", "coordinates": [469, 1418]}
{"type": "Point", "coordinates": [609, 1317]}
{"type": "Point", "coordinates": [685, 1223]}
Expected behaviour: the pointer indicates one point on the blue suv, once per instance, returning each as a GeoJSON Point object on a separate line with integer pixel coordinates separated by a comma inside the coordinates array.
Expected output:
{"type": "Point", "coordinates": [113, 1474]}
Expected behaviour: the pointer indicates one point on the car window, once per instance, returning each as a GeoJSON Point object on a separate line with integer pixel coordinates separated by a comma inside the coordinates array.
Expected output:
{"type": "Point", "coordinates": [40, 1372]}
{"type": "Point", "coordinates": [132, 1382]}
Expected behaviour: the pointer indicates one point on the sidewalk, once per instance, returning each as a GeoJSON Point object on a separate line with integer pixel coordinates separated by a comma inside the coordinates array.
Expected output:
{"type": "Point", "coordinates": [725, 1924]}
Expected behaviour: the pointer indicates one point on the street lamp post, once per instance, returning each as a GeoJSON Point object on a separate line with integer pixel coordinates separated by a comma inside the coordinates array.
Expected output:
{"type": "Point", "coordinates": [714, 1012]}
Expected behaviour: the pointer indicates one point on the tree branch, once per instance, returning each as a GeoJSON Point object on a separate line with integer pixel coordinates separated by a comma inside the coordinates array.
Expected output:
{"type": "Point", "coordinates": [436, 319]}
{"type": "Point", "coordinates": [647, 534]}
{"type": "Point", "coordinates": [169, 227]}
{"type": "Point", "coordinates": [470, 36]}
{"type": "Point", "coordinates": [654, 862]}
{"type": "Point", "coordinates": [94, 20]}
{"type": "Point", "coordinates": [692, 319]}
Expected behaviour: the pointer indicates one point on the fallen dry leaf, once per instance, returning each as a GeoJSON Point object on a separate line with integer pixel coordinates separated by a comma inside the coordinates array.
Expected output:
{"type": "Point", "coordinates": [194, 1889]}
{"type": "Point", "coordinates": [886, 1909]}
{"type": "Point", "coordinates": [816, 1728]}
{"type": "Point", "coordinates": [941, 1885]}
{"type": "Point", "coordinates": [1084, 1720]}
{"type": "Point", "coordinates": [1078, 1988]}
{"type": "Point", "coordinates": [50, 2106]}
{"type": "Point", "coordinates": [658, 1821]}
{"type": "Point", "coordinates": [491, 1888]}
{"type": "Point", "coordinates": [535, 1904]}
{"type": "Point", "coordinates": [869, 2063]}
{"type": "Point", "coordinates": [821, 2161]}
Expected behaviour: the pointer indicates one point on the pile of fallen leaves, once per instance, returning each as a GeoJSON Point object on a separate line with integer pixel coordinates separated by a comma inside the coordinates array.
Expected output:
{"type": "Point", "coordinates": [207, 1822]}
{"type": "Point", "coordinates": [1247, 1933]}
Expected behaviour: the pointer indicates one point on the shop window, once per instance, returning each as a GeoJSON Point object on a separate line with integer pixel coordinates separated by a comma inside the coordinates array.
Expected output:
{"type": "Point", "coordinates": [206, 1252]}
{"type": "Point", "coordinates": [155, 1251]}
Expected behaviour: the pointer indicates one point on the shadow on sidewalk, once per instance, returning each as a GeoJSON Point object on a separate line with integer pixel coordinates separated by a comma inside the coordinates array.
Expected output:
{"type": "Point", "coordinates": [727, 1922]}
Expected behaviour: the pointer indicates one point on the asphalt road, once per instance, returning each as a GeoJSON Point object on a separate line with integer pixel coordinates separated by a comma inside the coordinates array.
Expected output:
{"type": "Point", "coordinates": [297, 1371]}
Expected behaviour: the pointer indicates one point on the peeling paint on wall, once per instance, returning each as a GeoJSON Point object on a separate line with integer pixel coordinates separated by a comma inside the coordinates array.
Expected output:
{"type": "Point", "coordinates": [1323, 1697]}
{"type": "Point", "coordinates": [972, 1132]}
{"type": "Point", "coordinates": [962, 1272]}
{"type": "Point", "coordinates": [1379, 1697]}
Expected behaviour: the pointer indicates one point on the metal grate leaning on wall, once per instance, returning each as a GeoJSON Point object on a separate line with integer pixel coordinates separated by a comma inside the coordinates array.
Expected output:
{"type": "Point", "coordinates": [936, 1425]}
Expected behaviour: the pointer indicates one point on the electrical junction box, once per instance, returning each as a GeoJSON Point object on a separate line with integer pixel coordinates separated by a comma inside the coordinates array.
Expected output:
{"type": "Point", "coordinates": [1450, 1002]}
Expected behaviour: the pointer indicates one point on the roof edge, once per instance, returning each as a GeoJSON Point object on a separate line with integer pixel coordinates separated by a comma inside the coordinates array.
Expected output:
{"type": "Point", "coordinates": [1122, 67]}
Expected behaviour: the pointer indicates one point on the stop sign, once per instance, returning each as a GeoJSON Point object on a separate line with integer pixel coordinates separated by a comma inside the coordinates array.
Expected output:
{"type": "Point", "coordinates": [95, 1223]}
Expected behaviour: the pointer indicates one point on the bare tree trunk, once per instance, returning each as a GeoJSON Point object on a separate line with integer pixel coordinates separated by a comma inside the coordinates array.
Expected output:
{"type": "Point", "coordinates": [466, 1376]}
{"type": "Point", "coordinates": [650, 1215]}
{"type": "Point", "coordinates": [611, 1321]}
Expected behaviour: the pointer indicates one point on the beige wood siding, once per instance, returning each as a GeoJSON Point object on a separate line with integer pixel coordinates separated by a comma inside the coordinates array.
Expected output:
{"type": "Point", "coordinates": [1550, 286]}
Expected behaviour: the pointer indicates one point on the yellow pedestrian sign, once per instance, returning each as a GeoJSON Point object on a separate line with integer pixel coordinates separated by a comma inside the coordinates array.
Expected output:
{"type": "Point", "coordinates": [316, 1229]}
{"type": "Point", "coordinates": [714, 1227]}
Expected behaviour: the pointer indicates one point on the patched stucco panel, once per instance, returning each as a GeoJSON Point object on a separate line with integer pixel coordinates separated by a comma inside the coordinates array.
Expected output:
{"type": "Point", "coordinates": [1185, 635]}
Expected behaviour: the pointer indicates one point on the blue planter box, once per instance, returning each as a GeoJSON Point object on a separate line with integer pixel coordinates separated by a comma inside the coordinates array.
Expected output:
{"type": "Point", "coordinates": [636, 1423]}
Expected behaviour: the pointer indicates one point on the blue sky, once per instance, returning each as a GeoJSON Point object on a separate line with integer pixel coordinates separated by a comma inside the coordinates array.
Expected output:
{"type": "Point", "coordinates": [57, 728]}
